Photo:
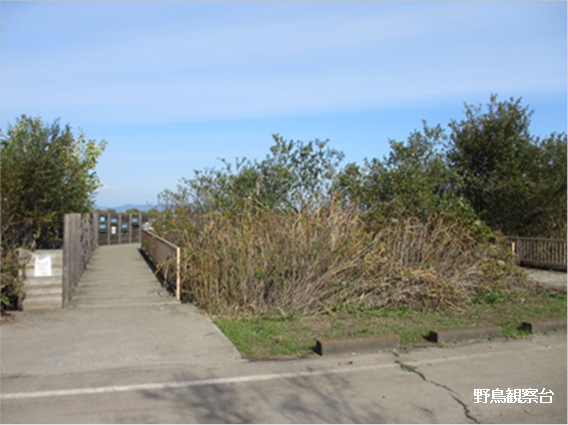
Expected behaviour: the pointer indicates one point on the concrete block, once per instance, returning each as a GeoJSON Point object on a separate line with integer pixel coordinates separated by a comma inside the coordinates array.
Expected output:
{"type": "Point", "coordinates": [44, 281]}
{"type": "Point", "coordinates": [464, 334]}
{"type": "Point", "coordinates": [327, 346]}
{"type": "Point", "coordinates": [544, 325]}
{"type": "Point", "coordinates": [42, 303]}
{"type": "Point", "coordinates": [41, 290]}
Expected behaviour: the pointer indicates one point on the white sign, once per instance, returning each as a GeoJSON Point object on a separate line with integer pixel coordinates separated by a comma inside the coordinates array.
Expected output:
{"type": "Point", "coordinates": [43, 267]}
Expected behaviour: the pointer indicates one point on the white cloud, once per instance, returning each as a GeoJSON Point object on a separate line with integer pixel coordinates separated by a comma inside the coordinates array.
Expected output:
{"type": "Point", "coordinates": [108, 188]}
{"type": "Point", "coordinates": [265, 62]}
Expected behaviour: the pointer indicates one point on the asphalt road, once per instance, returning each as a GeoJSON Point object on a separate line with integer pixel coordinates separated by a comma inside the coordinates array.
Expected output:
{"type": "Point", "coordinates": [430, 385]}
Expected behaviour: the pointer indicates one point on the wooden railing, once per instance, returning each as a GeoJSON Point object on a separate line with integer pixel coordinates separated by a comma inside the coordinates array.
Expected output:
{"type": "Point", "coordinates": [120, 228]}
{"type": "Point", "coordinates": [539, 252]}
{"type": "Point", "coordinates": [166, 258]}
{"type": "Point", "coordinates": [80, 240]}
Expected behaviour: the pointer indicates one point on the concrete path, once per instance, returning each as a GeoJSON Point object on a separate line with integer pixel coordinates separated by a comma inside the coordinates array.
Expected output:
{"type": "Point", "coordinates": [119, 316]}
{"type": "Point", "coordinates": [547, 278]}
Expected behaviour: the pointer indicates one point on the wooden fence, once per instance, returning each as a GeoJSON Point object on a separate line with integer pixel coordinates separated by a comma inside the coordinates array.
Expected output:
{"type": "Point", "coordinates": [166, 258]}
{"type": "Point", "coordinates": [80, 240]}
{"type": "Point", "coordinates": [539, 252]}
{"type": "Point", "coordinates": [120, 228]}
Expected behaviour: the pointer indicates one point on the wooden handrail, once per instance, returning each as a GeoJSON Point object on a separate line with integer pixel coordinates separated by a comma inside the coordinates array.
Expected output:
{"type": "Point", "coordinates": [165, 256]}
{"type": "Point", "coordinates": [539, 252]}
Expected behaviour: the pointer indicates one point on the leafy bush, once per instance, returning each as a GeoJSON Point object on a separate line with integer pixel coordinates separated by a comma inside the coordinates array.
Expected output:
{"type": "Point", "coordinates": [10, 285]}
{"type": "Point", "coordinates": [414, 180]}
{"type": "Point", "coordinates": [295, 175]}
{"type": "Point", "coordinates": [46, 172]}
{"type": "Point", "coordinates": [514, 181]}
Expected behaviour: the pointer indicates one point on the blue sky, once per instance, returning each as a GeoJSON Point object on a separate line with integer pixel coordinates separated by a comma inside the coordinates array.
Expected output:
{"type": "Point", "coordinates": [173, 86]}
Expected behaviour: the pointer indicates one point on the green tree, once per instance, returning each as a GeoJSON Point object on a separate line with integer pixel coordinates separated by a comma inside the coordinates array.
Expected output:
{"type": "Point", "coordinates": [46, 172]}
{"type": "Point", "coordinates": [293, 175]}
{"type": "Point", "coordinates": [413, 180]}
{"type": "Point", "coordinates": [546, 210]}
{"type": "Point", "coordinates": [296, 174]}
{"type": "Point", "coordinates": [513, 180]}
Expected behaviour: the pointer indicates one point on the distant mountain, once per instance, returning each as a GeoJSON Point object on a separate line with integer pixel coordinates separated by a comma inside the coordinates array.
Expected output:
{"type": "Point", "coordinates": [123, 208]}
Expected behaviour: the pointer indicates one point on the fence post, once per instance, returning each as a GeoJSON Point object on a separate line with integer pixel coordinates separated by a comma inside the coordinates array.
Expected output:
{"type": "Point", "coordinates": [70, 239]}
{"type": "Point", "coordinates": [178, 281]}
{"type": "Point", "coordinates": [66, 260]}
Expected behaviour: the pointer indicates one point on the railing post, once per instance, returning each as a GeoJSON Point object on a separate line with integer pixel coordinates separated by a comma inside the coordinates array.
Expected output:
{"type": "Point", "coordinates": [178, 281]}
{"type": "Point", "coordinates": [66, 260]}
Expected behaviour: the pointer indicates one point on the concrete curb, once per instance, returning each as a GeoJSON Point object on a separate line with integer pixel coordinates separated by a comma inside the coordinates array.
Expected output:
{"type": "Point", "coordinates": [544, 325]}
{"type": "Point", "coordinates": [327, 346]}
{"type": "Point", "coordinates": [464, 334]}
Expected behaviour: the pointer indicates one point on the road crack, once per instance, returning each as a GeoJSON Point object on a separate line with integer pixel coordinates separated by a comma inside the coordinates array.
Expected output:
{"type": "Point", "coordinates": [453, 394]}
{"type": "Point", "coordinates": [466, 411]}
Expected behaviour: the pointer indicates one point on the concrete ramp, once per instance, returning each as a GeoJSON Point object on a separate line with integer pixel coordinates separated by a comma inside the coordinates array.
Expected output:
{"type": "Point", "coordinates": [118, 276]}
{"type": "Point", "coordinates": [119, 317]}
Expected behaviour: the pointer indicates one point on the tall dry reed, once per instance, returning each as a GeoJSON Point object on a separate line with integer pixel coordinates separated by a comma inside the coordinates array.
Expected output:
{"type": "Point", "coordinates": [261, 260]}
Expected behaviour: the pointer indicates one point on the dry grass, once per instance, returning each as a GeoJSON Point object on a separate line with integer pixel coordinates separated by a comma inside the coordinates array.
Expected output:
{"type": "Point", "coordinates": [258, 261]}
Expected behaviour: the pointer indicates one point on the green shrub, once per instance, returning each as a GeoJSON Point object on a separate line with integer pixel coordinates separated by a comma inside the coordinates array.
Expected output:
{"type": "Point", "coordinates": [10, 285]}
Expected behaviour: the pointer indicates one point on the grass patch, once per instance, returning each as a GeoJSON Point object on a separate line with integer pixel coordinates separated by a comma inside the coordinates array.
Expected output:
{"type": "Point", "coordinates": [293, 336]}
{"type": "Point", "coordinates": [267, 336]}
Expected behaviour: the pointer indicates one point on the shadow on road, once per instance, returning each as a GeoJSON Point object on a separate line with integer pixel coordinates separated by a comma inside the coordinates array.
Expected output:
{"type": "Point", "coordinates": [317, 399]}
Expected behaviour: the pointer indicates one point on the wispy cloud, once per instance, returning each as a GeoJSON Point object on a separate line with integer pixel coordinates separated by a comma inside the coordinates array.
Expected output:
{"type": "Point", "coordinates": [324, 59]}
{"type": "Point", "coordinates": [108, 188]}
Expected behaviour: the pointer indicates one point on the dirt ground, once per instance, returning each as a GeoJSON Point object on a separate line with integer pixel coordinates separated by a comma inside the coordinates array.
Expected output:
{"type": "Point", "coordinates": [555, 279]}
